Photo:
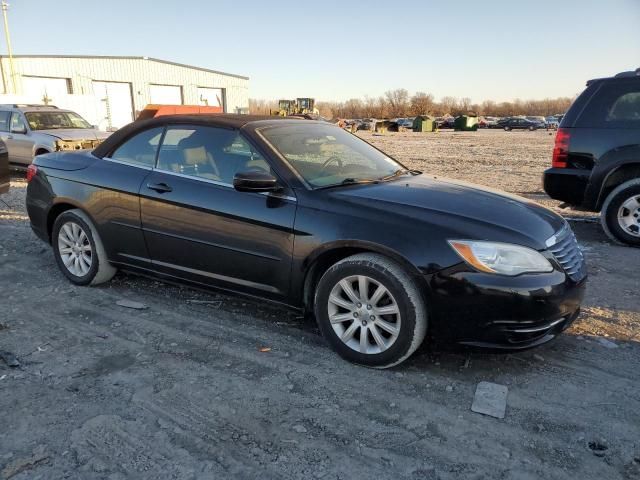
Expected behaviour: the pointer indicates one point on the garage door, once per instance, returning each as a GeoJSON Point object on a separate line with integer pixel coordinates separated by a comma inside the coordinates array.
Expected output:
{"type": "Point", "coordinates": [45, 89]}
{"type": "Point", "coordinates": [165, 94]}
{"type": "Point", "coordinates": [115, 104]}
{"type": "Point", "coordinates": [211, 97]}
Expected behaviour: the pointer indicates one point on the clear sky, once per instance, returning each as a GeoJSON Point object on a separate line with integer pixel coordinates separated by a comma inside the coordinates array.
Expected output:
{"type": "Point", "coordinates": [339, 49]}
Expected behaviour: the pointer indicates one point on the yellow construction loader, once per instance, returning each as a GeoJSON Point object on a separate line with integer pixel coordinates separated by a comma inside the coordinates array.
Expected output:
{"type": "Point", "coordinates": [299, 106]}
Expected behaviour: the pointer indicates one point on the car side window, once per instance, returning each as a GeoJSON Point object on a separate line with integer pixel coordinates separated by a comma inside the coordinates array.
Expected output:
{"type": "Point", "coordinates": [626, 108]}
{"type": "Point", "coordinates": [4, 121]}
{"type": "Point", "coordinates": [207, 152]}
{"type": "Point", "coordinates": [140, 149]}
{"type": "Point", "coordinates": [615, 105]}
{"type": "Point", "coordinates": [17, 123]}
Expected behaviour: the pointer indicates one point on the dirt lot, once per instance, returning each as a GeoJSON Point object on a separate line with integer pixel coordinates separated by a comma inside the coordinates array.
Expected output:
{"type": "Point", "coordinates": [182, 389]}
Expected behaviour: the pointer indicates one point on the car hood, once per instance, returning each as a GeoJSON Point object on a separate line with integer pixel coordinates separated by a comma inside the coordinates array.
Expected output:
{"type": "Point", "coordinates": [76, 133]}
{"type": "Point", "coordinates": [460, 210]}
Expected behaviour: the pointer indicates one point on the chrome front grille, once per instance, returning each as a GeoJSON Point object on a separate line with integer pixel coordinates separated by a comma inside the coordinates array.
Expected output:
{"type": "Point", "coordinates": [565, 248]}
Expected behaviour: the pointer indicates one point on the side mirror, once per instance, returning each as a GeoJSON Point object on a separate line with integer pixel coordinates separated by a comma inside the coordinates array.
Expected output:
{"type": "Point", "coordinates": [255, 181]}
{"type": "Point", "coordinates": [21, 129]}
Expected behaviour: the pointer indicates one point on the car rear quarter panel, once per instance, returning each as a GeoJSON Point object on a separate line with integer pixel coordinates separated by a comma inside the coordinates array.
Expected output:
{"type": "Point", "coordinates": [603, 151]}
{"type": "Point", "coordinates": [106, 191]}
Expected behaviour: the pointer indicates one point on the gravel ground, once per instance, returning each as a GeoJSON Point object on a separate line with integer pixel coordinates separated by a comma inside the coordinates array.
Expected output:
{"type": "Point", "coordinates": [200, 385]}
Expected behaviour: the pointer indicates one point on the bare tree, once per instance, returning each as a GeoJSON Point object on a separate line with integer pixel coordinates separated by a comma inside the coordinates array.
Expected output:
{"type": "Point", "coordinates": [422, 104]}
{"type": "Point", "coordinates": [465, 104]}
{"type": "Point", "coordinates": [397, 102]}
{"type": "Point", "coordinates": [262, 107]}
{"type": "Point", "coordinates": [448, 105]}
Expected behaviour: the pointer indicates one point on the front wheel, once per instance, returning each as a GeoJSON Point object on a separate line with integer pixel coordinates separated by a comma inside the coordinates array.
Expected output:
{"type": "Point", "coordinates": [506, 129]}
{"type": "Point", "coordinates": [620, 215]}
{"type": "Point", "coordinates": [78, 249]}
{"type": "Point", "coordinates": [370, 311]}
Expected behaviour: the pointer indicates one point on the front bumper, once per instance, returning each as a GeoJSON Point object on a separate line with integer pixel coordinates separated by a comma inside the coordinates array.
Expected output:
{"type": "Point", "coordinates": [71, 145]}
{"type": "Point", "coordinates": [499, 312]}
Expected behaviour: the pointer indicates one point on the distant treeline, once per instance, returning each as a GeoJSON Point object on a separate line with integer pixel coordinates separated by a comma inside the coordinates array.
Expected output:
{"type": "Point", "coordinates": [398, 103]}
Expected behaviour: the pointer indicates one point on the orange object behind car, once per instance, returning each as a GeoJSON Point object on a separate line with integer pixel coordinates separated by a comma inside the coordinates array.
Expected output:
{"type": "Point", "coordinates": [151, 111]}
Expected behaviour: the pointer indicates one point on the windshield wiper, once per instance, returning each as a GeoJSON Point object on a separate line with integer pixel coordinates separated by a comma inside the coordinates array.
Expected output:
{"type": "Point", "coordinates": [350, 181]}
{"type": "Point", "coordinates": [397, 173]}
{"type": "Point", "coordinates": [355, 181]}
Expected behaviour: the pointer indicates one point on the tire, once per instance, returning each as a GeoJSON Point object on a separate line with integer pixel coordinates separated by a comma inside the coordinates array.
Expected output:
{"type": "Point", "coordinates": [531, 129]}
{"type": "Point", "coordinates": [620, 201]}
{"type": "Point", "coordinates": [507, 129]}
{"type": "Point", "coordinates": [390, 337]}
{"type": "Point", "coordinates": [72, 245]}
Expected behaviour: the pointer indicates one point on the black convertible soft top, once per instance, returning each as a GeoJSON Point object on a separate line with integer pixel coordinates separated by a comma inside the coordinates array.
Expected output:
{"type": "Point", "coordinates": [225, 120]}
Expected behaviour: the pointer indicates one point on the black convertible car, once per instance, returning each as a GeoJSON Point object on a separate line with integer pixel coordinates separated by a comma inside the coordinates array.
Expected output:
{"type": "Point", "coordinates": [308, 215]}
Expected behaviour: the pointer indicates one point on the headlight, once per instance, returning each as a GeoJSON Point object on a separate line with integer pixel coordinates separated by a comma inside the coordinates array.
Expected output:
{"type": "Point", "coordinates": [502, 258]}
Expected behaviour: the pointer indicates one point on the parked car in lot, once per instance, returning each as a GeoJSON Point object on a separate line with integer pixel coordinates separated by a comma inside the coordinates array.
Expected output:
{"type": "Point", "coordinates": [596, 159]}
{"type": "Point", "coordinates": [310, 216]}
{"type": "Point", "coordinates": [539, 119]}
{"type": "Point", "coordinates": [30, 130]}
{"type": "Point", "coordinates": [488, 122]}
{"type": "Point", "coordinates": [446, 122]}
{"type": "Point", "coordinates": [519, 123]}
{"type": "Point", "coordinates": [367, 124]}
{"type": "Point", "coordinates": [552, 123]}
{"type": "Point", "coordinates": [5, 179]}
{"type": "Point", "coordinates": [405, 122]}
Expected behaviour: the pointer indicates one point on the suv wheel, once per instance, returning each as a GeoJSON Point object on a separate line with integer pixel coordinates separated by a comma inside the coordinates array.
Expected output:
{"type": "Point", "coordinates": [370, 311]}
{"type": "Point", "coordinates": [620, 214]}
{"type": "Point", "coordinates": [506, 129]}
{"type": "Point", "coordinates": [79, 251]}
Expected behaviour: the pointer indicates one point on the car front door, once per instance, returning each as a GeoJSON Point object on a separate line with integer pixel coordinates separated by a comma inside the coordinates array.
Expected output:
{"type": "Point", "coordinates": [112, 196]}
{"type": "Point", "coordinates": [198, 227]}
{"type": "Point", "coordinates": [19, 141]}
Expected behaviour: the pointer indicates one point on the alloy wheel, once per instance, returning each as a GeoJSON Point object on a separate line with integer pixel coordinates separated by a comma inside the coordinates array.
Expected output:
{"type": "Point", "coordinates": [363, 314]}
{"type": "Point", "coordinates": [75, 249]}
{"type": "Point", "coordinates": [629, 216]}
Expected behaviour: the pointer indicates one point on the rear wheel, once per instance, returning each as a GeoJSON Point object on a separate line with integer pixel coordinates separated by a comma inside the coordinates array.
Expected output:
{"type": "Point", "coordinates": [620, 215]}
{"type": "Point", "coordinates": [78, 249]}
{"type": "Point", "coordinates": [370, 311]}
{"type": "Point", "coordinates": [506, 129]}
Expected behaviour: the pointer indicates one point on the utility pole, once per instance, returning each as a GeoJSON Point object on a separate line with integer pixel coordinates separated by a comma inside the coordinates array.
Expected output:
{"type": "Point", "coordinates": [5, 7]}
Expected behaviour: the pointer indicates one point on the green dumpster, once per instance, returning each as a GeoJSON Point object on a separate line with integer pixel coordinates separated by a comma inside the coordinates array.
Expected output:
{"type": "Point", "coordinates": [466, 123]}
{"type": "Point", "coordinates": [424, 123]}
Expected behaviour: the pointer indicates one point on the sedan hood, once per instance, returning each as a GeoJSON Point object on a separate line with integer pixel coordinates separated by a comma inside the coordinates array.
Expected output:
{"type": "Point", "coordinates": [462, 210]}
{"type": "Point", "coordinates": [76, 133]}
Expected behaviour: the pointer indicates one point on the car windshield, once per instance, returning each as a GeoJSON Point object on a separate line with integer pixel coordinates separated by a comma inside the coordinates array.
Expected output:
{"type": "Point", "coordinates": [325, 155]}
{"type": "Point", "coordinates": [55, 120]}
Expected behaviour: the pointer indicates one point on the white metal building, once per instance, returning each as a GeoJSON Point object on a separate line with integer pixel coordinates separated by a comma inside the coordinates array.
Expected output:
{"type": "Point", "coordinates": [110, 91]}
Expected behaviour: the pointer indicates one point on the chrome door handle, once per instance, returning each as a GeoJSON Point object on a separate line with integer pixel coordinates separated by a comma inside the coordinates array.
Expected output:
{"type": "Point", "coordinates": [159, 187]}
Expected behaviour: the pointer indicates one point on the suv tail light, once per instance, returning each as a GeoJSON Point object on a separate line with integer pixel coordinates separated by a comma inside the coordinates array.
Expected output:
{"type": "Point", "coordinates": [32, 170]}
{"type": "Point", "coordinates": [561, 149]}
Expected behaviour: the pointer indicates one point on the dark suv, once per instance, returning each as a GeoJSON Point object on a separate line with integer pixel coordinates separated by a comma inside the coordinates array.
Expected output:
{"type": "Point", "coordinates": [596, 158]}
